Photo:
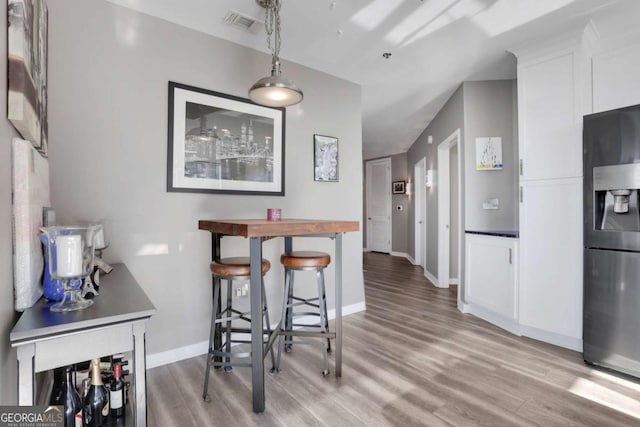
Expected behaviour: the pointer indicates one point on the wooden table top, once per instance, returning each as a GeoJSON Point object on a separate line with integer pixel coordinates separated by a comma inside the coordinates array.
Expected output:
{"type": "Point", "coordinates": [285, 227]}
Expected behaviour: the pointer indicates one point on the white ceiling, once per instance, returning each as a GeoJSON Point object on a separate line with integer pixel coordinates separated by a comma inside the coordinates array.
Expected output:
{"type": "Point", "coordinates": [435, 45]}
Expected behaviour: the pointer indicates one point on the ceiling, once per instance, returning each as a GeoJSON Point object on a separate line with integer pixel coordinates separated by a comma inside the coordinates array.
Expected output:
{"type": "Point", "coordinates": [434, 44]}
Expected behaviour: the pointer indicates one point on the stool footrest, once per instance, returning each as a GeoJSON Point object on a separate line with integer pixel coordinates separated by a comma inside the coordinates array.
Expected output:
{"type": "Point", "coordinates": [314, 334]}
{"type": "Point", "coordinates": [230, 354]}
{"type": "Point", "coordinates": [302, 325]}
{"type": "Point", "coordinates": [305, 313]}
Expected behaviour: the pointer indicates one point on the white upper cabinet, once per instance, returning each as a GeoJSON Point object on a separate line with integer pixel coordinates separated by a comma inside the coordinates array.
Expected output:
{"type": "Point", "coordinates": [553, 95]}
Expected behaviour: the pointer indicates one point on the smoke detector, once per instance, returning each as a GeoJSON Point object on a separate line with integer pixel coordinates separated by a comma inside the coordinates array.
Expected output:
{"type": "Point", "coordinates": [243, 22]}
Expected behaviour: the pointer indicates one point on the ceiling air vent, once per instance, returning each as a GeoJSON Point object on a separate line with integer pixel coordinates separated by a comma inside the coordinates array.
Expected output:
{"type": "Point", "coordinates": [243, 22]}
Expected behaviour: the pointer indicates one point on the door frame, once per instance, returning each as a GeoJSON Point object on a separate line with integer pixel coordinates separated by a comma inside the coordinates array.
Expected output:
{"type": "Point", "coordinates": [444, 210]}
{"type": "Point", "coordinates": [387, 162]}
{"type": "Point", "coordinates": [420, 213]}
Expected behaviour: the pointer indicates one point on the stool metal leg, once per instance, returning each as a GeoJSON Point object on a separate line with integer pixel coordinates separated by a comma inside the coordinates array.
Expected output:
{"type": "Point", "coordinates": [268, 324]}
{"type": "Point", "coordinates": [284, 321]}
{"type": "Point", "coordinates": [212, 336]}
{"type": "Point", "coordinates": [326, 313]}
{"type": "Point", "coordinates": [227, 366]}
{"type": "Point", "coordinates": [323, 317]}
{"type": "Point", "coordinates": [289, 340]}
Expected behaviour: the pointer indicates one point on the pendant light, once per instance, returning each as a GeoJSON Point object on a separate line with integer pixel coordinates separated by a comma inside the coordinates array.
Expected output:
{"type": "Point", "coordinates": [274, 90]}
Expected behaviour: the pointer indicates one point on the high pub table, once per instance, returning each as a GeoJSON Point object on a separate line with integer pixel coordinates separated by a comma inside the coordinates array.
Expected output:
{"type": "Point", "coordinates": [258, 231]}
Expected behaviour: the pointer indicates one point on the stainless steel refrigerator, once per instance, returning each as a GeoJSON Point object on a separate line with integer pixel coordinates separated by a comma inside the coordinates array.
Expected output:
{"type": "Point", "coordinates": [611, 326]}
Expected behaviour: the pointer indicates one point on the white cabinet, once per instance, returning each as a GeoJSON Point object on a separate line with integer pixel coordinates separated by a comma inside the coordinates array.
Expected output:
{"type": "Point", "coordinates": [549, 134]}
{"type": "Point", "coordinates": [554, 92]}
{"type": "Point", "coordinates": [491, 282]}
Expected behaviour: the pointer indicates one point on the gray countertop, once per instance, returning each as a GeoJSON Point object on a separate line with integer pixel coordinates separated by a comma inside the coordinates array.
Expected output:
{"type": "Point", "coordinates": [498, 233]}
{"type": "Point", "coordinates": [121, 299]}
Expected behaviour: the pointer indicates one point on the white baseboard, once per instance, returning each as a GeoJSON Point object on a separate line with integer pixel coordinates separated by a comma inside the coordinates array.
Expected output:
{"type": "Point", "coordinates": [572, 343]}
{"type": "Point", "coordinates": [499, 320]}
{"type": "Point", "coordinates": [400, 254]}
{"type": "Point", "coordinates": [411, 260]}
{"type": "Point", "coordinates": [462, 307]}
{"type": "Point", "coordinates": [176, 354]}
{"type": "Point", "coordinates": [453, 281]}
{"type": "Point", "coordinates": [431, 277]}
{"type": "Point", "coordinates": [365, 250]}
{"type": "Point", "coordinates": [192, 350]}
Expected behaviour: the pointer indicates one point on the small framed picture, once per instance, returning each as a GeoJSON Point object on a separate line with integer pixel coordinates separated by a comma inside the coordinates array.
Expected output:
{"type": "Point", "coordinates": [398, 187]}
{"type": "Point", "coordinates": [325, 158]}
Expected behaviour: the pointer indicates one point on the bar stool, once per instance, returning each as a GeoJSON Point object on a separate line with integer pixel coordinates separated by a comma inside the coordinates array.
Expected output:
{"type": "Point", "coordinates": [304, 261]}
{"type": "Point", "coordinates": [231, 269]}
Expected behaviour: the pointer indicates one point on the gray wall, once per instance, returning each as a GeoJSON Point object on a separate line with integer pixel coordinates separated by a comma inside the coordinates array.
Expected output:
{"type": "Point", "coordinates": [109, 68]}
{"type": "Point", "coordinates": [489, 111]}
{"type": "Point", "coordinates": [399, 224]}
{"type": "Point", "coordinates": [479, 109]}
{"type": "Point", "coordinates": [448, 120]}
{"type": "Point", "coordinates": [8, 317]}
{"type": "Point", "coordinates": [399, 219]}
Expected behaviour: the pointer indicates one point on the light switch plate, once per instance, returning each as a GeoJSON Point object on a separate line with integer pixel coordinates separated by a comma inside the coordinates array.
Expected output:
{"type": "Point", "coordinates": [491, 204]}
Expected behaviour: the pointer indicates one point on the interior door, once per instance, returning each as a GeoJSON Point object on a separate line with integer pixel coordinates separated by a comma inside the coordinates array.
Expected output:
{"type": "Point", "coordinates": [420, 207]}
{"type": "Point", "coordinates": [379, 205]}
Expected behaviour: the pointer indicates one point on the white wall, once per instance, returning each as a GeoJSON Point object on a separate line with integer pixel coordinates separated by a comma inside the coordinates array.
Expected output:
{"type": "Point", "coordinates": [109, 68]}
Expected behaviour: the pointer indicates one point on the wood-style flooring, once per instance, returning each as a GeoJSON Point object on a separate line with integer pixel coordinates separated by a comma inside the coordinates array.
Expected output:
{"type": "Point", "coordinates": [411, 359]}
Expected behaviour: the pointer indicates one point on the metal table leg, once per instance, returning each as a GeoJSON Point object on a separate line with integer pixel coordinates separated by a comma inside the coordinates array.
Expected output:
{"type": "Point", "coordinates": [257, 345]}
{"type": "Point", "coordinates": [338, 298]}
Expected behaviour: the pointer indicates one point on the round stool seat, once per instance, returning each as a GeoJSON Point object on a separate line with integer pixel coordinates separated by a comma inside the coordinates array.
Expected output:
{"type": "Point", "coordinates": [305, 259]}
{"type": "Point", "coordinates": [236, 267]}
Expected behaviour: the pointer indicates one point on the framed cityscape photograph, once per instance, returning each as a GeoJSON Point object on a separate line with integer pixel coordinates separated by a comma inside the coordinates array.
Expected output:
{"type": "Point", "coordinates": [325, 158]}
{"type": "Point", "coordinates": [220, 143]}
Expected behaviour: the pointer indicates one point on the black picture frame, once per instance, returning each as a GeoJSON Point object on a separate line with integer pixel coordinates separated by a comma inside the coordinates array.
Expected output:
{"type": "Point", "coordinates": [219, 143]}
{"type": "Point", "coordinates": [398, 187]}
{"type": "Point", "coordinates": [326, 160]}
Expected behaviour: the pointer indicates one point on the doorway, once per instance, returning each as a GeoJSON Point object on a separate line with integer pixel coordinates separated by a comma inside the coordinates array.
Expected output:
{"type": "Point", "coordinates": [378, 191]}
{"type": "Point", "coordinates": [445, 217]}
{"type": "Point", "coordinates": [420, 213]}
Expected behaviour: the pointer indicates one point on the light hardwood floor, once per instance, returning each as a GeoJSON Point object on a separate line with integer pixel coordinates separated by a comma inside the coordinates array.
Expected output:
{"type": "Point", "coordinates": [412, 359]}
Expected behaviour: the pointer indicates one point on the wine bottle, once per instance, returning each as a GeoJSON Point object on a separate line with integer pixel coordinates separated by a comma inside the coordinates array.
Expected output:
{"type": "Point", "coordinates": [116, 393]}
{"type": "Point", "coordinates": [95, 411]}
{"type": "Point", "coordinates": [57, 393]}
{"type": "Point", "coordinates": [72, 404]}
{"type": "Point", "coordinates": [67, 396]}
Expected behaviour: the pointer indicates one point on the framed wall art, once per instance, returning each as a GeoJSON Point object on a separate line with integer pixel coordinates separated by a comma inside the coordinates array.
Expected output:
{"type": "Point", "coordinates": [325, 158]}
{"type": "Point", "coordinates": [489, 153]}
{"type": "Point", "coordinates": [27, 70]}
{"type": "Point", "coordinates": [398, 187]}
{"type": "Point", "coordinates": [219, 143]}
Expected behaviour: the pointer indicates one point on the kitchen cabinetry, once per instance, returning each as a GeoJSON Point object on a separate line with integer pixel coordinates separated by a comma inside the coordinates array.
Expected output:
{"type": "Point", "coordinates": [554, 92]}
{"type": "Point", "coordinates": [491, 279]}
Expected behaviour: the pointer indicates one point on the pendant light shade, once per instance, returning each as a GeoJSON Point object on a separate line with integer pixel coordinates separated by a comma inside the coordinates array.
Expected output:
{"type": "Point", "coordinates": [274, 90]}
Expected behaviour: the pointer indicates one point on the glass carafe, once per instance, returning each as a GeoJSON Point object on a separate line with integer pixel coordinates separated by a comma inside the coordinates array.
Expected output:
{"type": "Point", "coordinates": [70, 250]}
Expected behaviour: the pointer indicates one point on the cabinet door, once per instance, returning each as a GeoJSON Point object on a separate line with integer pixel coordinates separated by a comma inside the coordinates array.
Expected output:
{"type": "Point", "coordinates": [550, 127]}
{"type": "Point", "coordinates": [490, 274]}
{"type": "Point", "coordinates": [551, 256]}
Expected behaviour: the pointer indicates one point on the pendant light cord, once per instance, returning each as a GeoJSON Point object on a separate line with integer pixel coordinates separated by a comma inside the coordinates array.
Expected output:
{"type": "Point", "coordinates": [272, 26]}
